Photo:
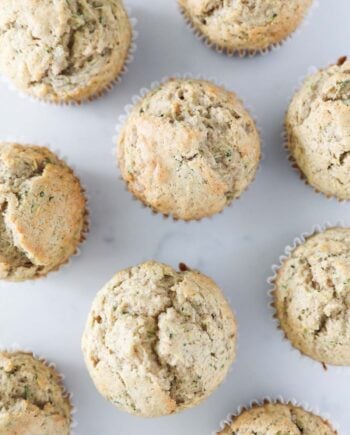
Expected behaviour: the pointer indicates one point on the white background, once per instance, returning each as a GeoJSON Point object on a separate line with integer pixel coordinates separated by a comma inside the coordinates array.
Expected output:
{"type": "Point", "coordinates": [236, 248]}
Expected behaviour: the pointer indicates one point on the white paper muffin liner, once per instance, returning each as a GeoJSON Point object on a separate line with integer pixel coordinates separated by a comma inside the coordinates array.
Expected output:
{"type": "Point", "coordinates": [128, 60]}
{"type": "Point", "coordinates": [279, 400]}
{"type": "Point", "coordinates": [246, 52]}
{"type": "Point", "coordinates": [136, 98]}
{"type": "Point", "coordinates": [300, 240]}
{"type": "Point", "coordinates": [15, 347]}
{"type": "Point", "coordinates": [311, 70]}
{"type": "Point", "coordinates": [87, 222]}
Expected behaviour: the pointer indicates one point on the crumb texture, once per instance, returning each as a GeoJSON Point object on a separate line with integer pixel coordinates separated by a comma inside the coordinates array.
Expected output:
{"type": "Point", "coordinates": [188, 149]}
{"type": "Point", "coordinates": [312, 297]}
{"type": "Point", "coordinates": [32, 399]}
{"type": "Point", "coordinates": [277, 419]}
{"type": "Point", "coordinates": [245, 25]}
{"type": "Point", "coordinates": [63, 50]}
{"type": "Point", "coordinates": [317, 125]}
{"type": "Point", "coordinates": [42, 212]}
{"type": "Point", "coordinates": [159, 341]}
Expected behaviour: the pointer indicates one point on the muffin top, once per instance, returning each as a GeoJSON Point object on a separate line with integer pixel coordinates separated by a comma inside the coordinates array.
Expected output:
{"type": "Point", "coordinates": [317, 124]}
{"type": "Point", "coordinates": [188, 149]}
{"type": "Point", "coordinates": [251, 25]}
{"type": "Point", "coordinates": [43, 211]}
{"type": "Point", "coordinates": [312, 296]}
{"type": "Point", "coordinates": [277, 419]}
{"type": "Point", "coordinates": [159, 341]}
{"type": "Point", "coordinates": [32, 400]}
{"type": "Point", "coordinates": [63, 50]}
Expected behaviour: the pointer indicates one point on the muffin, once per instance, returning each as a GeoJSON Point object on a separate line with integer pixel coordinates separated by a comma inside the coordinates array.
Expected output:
{"type": "Point", "coordinates": [188, 148]}
{"type": "Point", "coordinates": [32, 399]}
{"type": "Point", "coordinates": [43, 212]}
{"type": "Point", "coordinates": [63, 50]}
{"type": "Point", "coordinates": [245, 26]}
{"type": "Point", "coordinates": [312, 296]}
{"type": "Point", "coordinates": [277, 419]}
{"type": "Point", "coordinates": [158, 341]}
{"type": "Point", "coordinates": [317, 125]}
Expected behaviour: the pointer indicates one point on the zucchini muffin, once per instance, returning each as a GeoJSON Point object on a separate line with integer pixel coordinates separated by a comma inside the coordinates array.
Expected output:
{"type": "Point", "coordinates": [188, 148]}
{"type": "Point", "coordinates": [32, 399]}
{"type": "Point", "coordinates": [42, 212]}
{"type": "Point", "coordinates": [277, 419]}
{"type": "Point", "coordinates": [317, 125]}
{"type": "Point", "coordinates": [159, 341]}
{"type": "Point", "coordinates": [245, 26]}
{"type": "Point", "coordinates": [312, 296]}
{"type": "Point", "coordinates": [63, 50]}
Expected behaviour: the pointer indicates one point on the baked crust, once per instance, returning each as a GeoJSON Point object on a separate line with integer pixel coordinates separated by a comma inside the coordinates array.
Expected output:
{"type": "Point", "coordinates": [188, 148]}
{"type": "Point", "coordinates": [43, 212]}
{"type": "Point", "coordinates": [32, 399]}
{"type": "Point", "coordinates": [158, 341]}
{"type": "Point", "coordinates": [63, 51]}
{"type": "Point", "coordinates": [312, 294]}
{"type": "Point", "coordinates": [317, 125]}
{"type": "Point", "coordinates": [240, 25]}
{"type": "Point", "coordinates": [277, 418]}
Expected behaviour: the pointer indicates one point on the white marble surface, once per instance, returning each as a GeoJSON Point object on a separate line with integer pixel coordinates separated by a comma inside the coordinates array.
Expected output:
{"type": "Point", "coordinates": [236, 248]}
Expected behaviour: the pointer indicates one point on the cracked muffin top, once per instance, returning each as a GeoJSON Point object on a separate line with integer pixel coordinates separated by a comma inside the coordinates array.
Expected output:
{"type": "Point", "coordinates": [277, 419]}
{"type": "Point", "coordinates": [159, 341]}
{"type": "Point", "coordinates": [317, 125]}
{"type": "Point", "coordinates": [188, 148]}
{"type": "Point", "coordinates": [32, 399]}
{"type": "Point", "coordinates": [312, 296]}
{"type": "Point", "coordinates": [42, 212]}
{"type": "Point", "coordinates": [63, 50]}
{"type": "Point", "coordinates": [245, 25]}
